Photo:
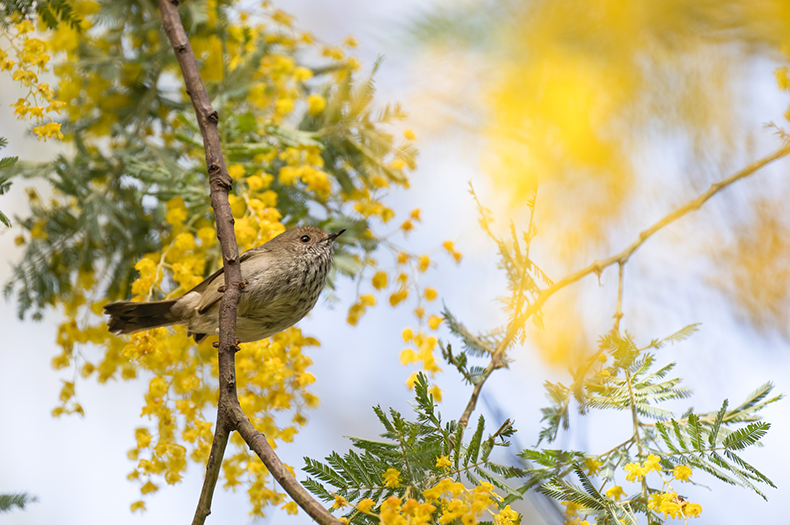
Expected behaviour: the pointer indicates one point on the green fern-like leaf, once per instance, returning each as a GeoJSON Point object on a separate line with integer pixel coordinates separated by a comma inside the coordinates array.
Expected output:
{"type": "Point", "coordinates": [18, 500]}
{"type": "Point", "coordinates": [714, 433]}
{"type": "Point", "coordinates": [744, 437]}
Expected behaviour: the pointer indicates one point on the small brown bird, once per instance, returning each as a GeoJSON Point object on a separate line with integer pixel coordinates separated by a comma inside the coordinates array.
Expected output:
{"type": "Point", "coordinates": [282, 281]}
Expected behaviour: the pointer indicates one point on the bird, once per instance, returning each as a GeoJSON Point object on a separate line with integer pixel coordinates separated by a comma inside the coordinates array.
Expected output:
{"type": "Point", "coordinates": [282, 280]}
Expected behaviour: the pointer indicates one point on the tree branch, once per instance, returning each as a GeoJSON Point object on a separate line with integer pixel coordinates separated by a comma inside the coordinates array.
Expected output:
{"type": "Point", "coordinates": [618, 313]}
{"type": "Point", "coordinates": [229, 414]}
{"type": "Point", "coordinates": [598, 266]}
{"type": "Point", "coordinates": [260, 445]}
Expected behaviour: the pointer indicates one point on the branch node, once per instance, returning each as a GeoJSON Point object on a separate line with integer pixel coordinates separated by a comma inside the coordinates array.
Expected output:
{"type": "Point", "coordinates": [213, 116]}
{"type": "Point", "coordinates": [182, 48]}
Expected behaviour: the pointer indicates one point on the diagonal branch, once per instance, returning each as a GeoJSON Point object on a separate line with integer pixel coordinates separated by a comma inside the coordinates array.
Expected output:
{"type": "Point", "coordinates": [598, 266]}
{"type": "Point", "coordinates": [230, 417]}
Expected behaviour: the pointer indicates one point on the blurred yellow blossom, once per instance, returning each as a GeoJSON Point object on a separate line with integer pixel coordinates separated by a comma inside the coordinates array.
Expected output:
{"type": "Point", "coordinates": [236, 171]}
{"type": "Point", "coordinates": [316, 104]}
{"type": "Point", "coordinates": [379, 280]}
{"type": "Point", "coordinates": [398, 296]}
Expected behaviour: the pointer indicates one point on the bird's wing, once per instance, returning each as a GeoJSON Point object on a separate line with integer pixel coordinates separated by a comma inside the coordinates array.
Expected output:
{"type": "Point", "coordinates": [209, 287]}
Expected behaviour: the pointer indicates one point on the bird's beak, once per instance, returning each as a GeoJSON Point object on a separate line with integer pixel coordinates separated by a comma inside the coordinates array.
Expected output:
{"type": "Point", "coordinates": [332, 236]}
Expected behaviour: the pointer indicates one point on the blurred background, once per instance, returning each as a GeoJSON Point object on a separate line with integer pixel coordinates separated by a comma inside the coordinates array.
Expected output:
{"type": "Point", "coordinates": [622, 113]}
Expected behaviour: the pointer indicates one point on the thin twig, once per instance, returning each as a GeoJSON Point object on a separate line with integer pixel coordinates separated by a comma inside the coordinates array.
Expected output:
{"type": "Point", "coordinates": [618, 313]}
{"type": "Point", "coordinates": [212, 470]}
{"type": "Point", "coordinates": [598, 266]}
{"type": "Point", "coordinates": [495, 363]}
{"type": "Point", "coordinates": [229, 414]}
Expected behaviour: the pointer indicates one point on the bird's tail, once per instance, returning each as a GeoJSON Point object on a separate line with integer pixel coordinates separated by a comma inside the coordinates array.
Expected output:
{"type": "Point", "coordinates": [127, 317]}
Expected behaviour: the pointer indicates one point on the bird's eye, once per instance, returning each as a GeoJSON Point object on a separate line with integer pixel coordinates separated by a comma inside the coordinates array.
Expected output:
{"type": "Point", "coordinates": [305, 238]}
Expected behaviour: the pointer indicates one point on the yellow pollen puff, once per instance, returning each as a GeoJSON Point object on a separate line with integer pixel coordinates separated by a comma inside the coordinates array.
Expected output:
{"type": "Point", "coordinates": [149, 488]}
{"type": "Point", "coordinates": [339, 503]}
{"type": "Point", "coordinates": [436, 392]}
{"type": "Point", "coordinates": [379, 280]}
{"type": "Point", "coordinates": [407, 335]}
{"type": "Point", "coordinates": [411, 380]}
{"type": "Point", "coordinates": [26, 26]}
{"type": "Point", "coordinates": [682, 473]}
{"type": "Point", "coordinates": [350, 41]}
{"type": "Point", "coordinates": [434, 321]}
{"type": "Point", "coordinates": [301, 74]}
{"type": "Point", "coordinates": [367, 300]}
{"type": "Point", "coordinates": [782, 80]}
{"type": "Point", "coordinates": [408, 356]}
{"type": "Point", "coordinates": [430, 294]}
{"type": "Point", "coordinates": [425, 261]}
{"type": "Point", "coordinates": [592, 465]}
{"type": "Point", "coordinates": [692, 509]}
{"type": "Point", "coordinates": [378, 181]}
{"type": "Point", "coordinates": [415, 214]}
{"type": "Point", "coordinates": [615, 493]}
{"type": "Point", "coordinates": [184, 241]}
{"type": "Point", "coordinates": [256, 182]}
{"type": "Point", "coordinates": [419, 312]}
{"type": "Point", "coordinates": [315, 104]}
{"type": "Point", "coordinates": [391, 478]}
{"type": "Point", "coordinates": [398, 296]}
{"type": "Point", "coordinates": [652, 462]}
{"type": "Point", "coordinates": [50, 130]}
{"type": "Point", "coordinates": [236, 171]}
{"type": "Point", "coordinates": [365, 505]}
{"type": "Point", "coordinates": [407, 226]}
{"type": "Point", "coordinates": [207, 236]}
{"type": "Point", "coordinates": [409, 134]}
{"type": "Point", "coordinates": [635, 472]}
{"type": "Point", "coordinates": [403, 258]}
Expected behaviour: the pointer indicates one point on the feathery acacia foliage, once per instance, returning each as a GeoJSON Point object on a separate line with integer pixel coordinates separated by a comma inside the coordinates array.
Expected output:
{"type": "Point", "coordinates": [19, 500]}
{"type": "Point", "coordinates": [413, 458]}
{"type": "Point", "coordinates": [5, 184]}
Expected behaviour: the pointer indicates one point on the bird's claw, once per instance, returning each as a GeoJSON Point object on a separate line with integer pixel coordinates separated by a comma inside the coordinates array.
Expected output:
{"type": "Point", "coordinates": [235, 347]}
{"type": "Point", "coordinates": [241, 284]}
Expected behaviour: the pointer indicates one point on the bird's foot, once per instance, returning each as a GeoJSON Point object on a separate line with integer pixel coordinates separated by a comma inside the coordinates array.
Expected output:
{"type": "Point", "coordinates": [235, 347]}
{"type": "Point", "coordinates": [241, 284]}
